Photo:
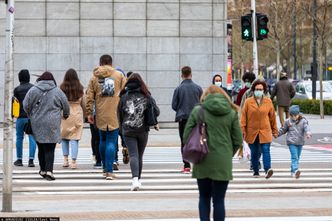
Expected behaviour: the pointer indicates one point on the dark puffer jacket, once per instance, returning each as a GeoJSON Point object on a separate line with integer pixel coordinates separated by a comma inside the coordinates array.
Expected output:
{"type": "Point", "coordinates": [21, 90]}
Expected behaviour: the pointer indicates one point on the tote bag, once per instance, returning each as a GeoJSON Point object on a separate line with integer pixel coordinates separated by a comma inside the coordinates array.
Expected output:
{"type": "Point", "coordinates": [196, 147]}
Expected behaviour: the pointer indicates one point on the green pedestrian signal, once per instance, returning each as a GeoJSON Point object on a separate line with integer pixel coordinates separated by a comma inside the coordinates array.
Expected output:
{"type": "Point", "coordinates": [246, 27]}
{"type": "Point", "coordinates": [262, 29]}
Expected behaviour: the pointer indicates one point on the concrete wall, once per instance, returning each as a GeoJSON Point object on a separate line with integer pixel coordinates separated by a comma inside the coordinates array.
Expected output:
{"type": "Point", "coordinates": [153, 37]}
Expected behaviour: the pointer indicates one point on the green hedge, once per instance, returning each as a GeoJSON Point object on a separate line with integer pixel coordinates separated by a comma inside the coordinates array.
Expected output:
{"type": "Point", "coordinates": [312, 106]}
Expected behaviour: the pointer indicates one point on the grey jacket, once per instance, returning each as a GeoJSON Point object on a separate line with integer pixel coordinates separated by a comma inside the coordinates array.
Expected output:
{"type": "Point", "coordinates": [284, 91]}
{"type": "Point", "coordinates": [295, 131]}
{"type": "Point", "coordinates": [185, 97]}
{"type": "Point", "coordinates": [45, 111]}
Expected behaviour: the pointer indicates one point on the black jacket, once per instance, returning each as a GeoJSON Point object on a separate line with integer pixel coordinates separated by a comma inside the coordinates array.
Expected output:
{"type": "Point", "coordinates": [20, 92]}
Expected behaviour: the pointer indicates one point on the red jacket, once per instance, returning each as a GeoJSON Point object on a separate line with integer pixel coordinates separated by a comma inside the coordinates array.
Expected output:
{"type": "Point", "coordinates": [239, 95]}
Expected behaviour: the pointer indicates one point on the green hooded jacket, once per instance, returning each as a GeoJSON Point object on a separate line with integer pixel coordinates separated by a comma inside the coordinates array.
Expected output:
{"type": "Point", "coordinates": [224, 138]}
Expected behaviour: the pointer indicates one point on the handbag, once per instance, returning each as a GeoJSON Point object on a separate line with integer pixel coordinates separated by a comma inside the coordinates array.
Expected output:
{"type": "Point", "coordinates": [196, 147]}
{"type": "Point", "coordinates": [27, 127]}
{"type": "Point", "coordinates": [151, 113]}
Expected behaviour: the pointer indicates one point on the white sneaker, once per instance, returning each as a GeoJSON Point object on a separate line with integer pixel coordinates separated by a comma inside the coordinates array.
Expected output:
{"type": "Point", "coordinates": [140, 183]}
{"type": "Point", "coordinates": [135, 184]}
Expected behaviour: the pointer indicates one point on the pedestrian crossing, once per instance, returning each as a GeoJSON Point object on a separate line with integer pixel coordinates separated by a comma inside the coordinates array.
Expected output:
{"type": "Point", "coordinates": [162, 176]}
{"type": "Point", "coordinates": [165, 181]}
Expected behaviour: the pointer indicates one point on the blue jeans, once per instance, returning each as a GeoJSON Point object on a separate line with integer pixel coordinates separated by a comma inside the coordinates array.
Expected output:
{"type": "Point", "coordinates": [255, 155]}
{"type": "Point", "coordinates": [295, 151]}
{"type": "Point", "coordinates": [211, 189]}
{"type": "Point", "coordinates": [74, 148]}
{"type": "Point", "coordinates": [107, 145]}
{"type": "Point", "coordinates": [20, 122]}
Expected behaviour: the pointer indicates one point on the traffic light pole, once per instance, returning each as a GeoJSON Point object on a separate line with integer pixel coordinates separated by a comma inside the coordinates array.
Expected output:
{"type": "Point", "coordinates": [8, 121]}
{"type": "Point", "coordinates": [254, 44]}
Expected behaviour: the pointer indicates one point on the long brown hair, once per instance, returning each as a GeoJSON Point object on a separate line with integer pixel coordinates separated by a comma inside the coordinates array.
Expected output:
{"type": "Point", "coordinates": [72, 86]}
{"type": "Point", "coordinates": [136, 77]}
{"type": "Point", "coordinates": [213, 89]}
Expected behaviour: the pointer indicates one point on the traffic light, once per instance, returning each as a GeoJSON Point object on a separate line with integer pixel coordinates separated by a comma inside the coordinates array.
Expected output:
{"type": "Point", "coordinates": [246, 27]}
{"type": "Point", "coordinates": [262, 30]}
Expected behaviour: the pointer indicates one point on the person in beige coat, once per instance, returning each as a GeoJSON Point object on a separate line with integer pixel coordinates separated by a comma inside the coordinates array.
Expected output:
{"type": "Point", "coordinates": [103, 92]}
{"type": "Point", "coordinates": [72, 127]}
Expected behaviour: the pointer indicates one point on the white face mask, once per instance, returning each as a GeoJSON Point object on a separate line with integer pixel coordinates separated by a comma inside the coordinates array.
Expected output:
{"type": "Point", "coordinates": [258, 93]}
{"type": "Point", "coordinates": [218, 83]}
{"type": "Point", "coordinates": [247, 84]}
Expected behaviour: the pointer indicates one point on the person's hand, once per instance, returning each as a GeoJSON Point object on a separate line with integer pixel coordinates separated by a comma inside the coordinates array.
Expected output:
{"type": "Point", "coordinates": [90, 119]}
{"type": "Point", "coordinates": [275, 135]}
{"type": "Point", "coordinates": [156, 127]}
{"type": "Point", "coordinates": [309, 136]}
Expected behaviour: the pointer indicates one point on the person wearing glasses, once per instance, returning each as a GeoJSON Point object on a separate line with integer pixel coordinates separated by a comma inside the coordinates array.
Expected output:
{"type": "Point", "coordinates": [258, 124]}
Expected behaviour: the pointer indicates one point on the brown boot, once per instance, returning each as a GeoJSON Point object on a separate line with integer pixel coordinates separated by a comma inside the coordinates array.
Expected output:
{"type": "Point", "coordinates": [73, 164]}
{"type": "Point", "coordinates": [65, 161]}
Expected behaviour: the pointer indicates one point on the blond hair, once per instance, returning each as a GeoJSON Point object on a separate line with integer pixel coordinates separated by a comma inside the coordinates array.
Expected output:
{"type": "Point", "coordinates": [213, 89]}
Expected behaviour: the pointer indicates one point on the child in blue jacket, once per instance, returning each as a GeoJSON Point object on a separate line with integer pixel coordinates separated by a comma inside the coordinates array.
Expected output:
{"type": "Point", "coordinates": [296, 128]}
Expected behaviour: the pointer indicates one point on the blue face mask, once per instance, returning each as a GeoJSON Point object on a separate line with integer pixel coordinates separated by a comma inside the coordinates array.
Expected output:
{"type": "Point", "coordinates": [258, 93]}
{"type": "Point", "coordinates": [218, 83]}
{"type": "Point", "coordinates": [247, 84]}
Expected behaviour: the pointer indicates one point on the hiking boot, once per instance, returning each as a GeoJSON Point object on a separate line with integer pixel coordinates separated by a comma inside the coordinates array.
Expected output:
{"type": "Point", "coordinates": [297, 174]}
{"type": "Point", "coordinates": [49, 176]}
{"type": "Point", "coordinates": [18, 163]}
{"type": "Point", "coordinates": [31, 164]}
{"type": "Point", "coordinates": [135, 184]}
{"type": "Point", "coordinates": [65, 161]}
{"type": "Point", "coordinates": [269, 173]}
{"type": "Point", "coordinates": [115, 166]}
{"type": "Point", "coordinates": [256, 175]}
{"type": "Point", "coordinates": [125, 154]}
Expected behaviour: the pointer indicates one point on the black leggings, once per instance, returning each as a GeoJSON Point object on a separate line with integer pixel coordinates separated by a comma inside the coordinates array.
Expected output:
{"type": "Point", "coordinates": [46, 156]}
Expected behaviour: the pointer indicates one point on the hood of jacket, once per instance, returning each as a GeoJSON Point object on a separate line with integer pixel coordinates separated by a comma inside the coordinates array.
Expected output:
{"type": "Point", "coordinates": [24, 76]}
{"type": "Point", "coordinates": [217, 104]}
{"type": "Point", "coordinates": [103, 71]}
{"type": "Point", "coordinates": [46, 85]}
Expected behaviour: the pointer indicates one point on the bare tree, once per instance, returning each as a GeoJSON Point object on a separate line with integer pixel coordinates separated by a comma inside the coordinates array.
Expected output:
{"type": "Point", "coordinates": [322, 24]}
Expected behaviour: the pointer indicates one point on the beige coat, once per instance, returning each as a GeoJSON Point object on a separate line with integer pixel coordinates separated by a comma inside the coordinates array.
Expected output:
{"type": "Point", "coordinates": [106, 106]}
{"type": "Point", "coordinates": [258, 120]}
{"type": "Point", "coordinates": [72, 127]}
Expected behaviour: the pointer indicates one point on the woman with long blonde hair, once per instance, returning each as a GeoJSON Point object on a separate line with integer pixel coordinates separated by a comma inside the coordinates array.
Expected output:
{"type": "Point", "coordinates": [224, 138]}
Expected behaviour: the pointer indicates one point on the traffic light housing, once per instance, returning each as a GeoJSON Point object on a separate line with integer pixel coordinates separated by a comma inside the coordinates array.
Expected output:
{"type": "Point", "coordinates": [246, 29]}
{"type": "Point", "coordinates": [262, 29]}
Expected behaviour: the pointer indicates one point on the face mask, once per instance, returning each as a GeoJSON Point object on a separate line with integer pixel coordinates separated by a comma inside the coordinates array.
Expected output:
{"type": "Point", "coordinates": [258, 93]}
{"type": "Point", "coordinates": [247, 84]}
{"type": "Point", "coordinates": [218, 83]}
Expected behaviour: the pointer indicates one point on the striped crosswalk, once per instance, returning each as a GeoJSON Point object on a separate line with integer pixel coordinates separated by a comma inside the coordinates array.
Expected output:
{"type": "Point", "coordinates": [162, 179]}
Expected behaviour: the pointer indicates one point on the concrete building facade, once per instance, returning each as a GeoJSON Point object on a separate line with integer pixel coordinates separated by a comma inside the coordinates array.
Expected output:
{"type": "Point", "coordinates": [152, 37]}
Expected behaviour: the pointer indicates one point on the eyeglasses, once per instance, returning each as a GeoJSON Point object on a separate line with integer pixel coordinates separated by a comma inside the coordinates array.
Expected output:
{"type": "Point", "coordinates": [258, 89]}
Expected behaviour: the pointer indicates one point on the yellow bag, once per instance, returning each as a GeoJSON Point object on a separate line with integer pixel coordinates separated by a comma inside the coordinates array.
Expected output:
{"type": "Point", "coordinates": [15, 107]}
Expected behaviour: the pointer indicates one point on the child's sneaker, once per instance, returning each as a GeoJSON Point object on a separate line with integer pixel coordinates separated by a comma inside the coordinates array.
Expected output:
{"type": "Point", "coordinates": [125, 154]}
{"type": "Point", "coordinates": [297, 174]}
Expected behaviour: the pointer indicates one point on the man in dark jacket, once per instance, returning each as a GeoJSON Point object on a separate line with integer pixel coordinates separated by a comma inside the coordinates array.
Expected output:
{"type": "Point", "coordinates": [185, 97]}
{"type": "Point", "coordinates": [284, 91]}
{"type": "Point", "coordinates": [20, 92]}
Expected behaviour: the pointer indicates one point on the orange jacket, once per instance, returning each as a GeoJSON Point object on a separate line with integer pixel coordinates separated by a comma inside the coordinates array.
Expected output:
{"type": "Point", "coordinates": [258, 120]}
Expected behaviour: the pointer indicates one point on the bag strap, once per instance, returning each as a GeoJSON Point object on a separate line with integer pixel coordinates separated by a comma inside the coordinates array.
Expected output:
{"type": "Point", "coordinates": [200, 118]}
{"type": "Point", "coordinates": [39, 100]}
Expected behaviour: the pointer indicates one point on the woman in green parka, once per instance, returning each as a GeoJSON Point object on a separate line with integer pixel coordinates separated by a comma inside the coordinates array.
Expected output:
{"type": "Point", "coordinates": [224, 139]}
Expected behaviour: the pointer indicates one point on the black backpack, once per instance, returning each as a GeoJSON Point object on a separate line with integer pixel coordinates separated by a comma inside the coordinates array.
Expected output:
{"type": "Point", "coordinates": [151, 113]}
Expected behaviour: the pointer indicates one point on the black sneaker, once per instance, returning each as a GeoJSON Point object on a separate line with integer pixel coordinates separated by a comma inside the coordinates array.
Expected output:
{"type": "Point", "coordinates": [125, 154]}
{"type": "Point", "coordinates": [256, 175]}
{"type": "Point", "coordinates": [18, 163]}
{"type": "Point", "coordinates": [42, 174]}
{"type": "Point", "coordinates": [31, 164]}
{"type": "Point", "coordinates": [49, 176]}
